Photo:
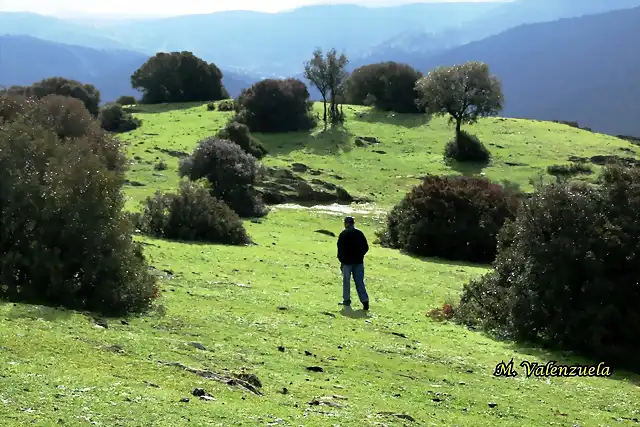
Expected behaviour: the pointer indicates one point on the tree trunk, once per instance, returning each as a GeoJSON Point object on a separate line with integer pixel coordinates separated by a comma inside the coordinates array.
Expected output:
{"type": "Point", "coordinates": [458, 125]}
{"type": "Point", "coordinates": [324, 102]}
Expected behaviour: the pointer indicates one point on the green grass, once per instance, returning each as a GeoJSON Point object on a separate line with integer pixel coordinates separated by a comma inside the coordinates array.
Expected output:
{"type": "Point", "coordinates": [242, 303]}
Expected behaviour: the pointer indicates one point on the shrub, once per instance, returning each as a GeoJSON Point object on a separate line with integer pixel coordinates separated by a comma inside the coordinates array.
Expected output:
{"type": "Point", "coordinates": [126, 100]}
{"type": "Point", "coordinates": [88, 94]}
{"type": "Point", "coordinates": [466, 148]}
{"type": "Point", "coordinates": [276, 106]}
{"type": "Point", "coordinates": [227, 105]}
{"type": "Point", "coordinates": [211, 106]}
{"type": "Point", "coordinates": [456, 218]}
{"type": "Point", "coordinates": [231, 173]}
{"type": "Point", "coordinates": [114, 118]}
{"type": "Point", "coordinates": [64, 237]}
{"type": "Point", "coordinates": [192, 214]}
{"type": "Point", "coordinates": [240, 134]}
{"type": "Point", "coordinates": [567, 270]}
{"type": "Point", "coordinates": [69, 117]}
{"type": "Point", "coordinates": [161, 166]}
{"type": "Point", "coordinates": [575, 168]}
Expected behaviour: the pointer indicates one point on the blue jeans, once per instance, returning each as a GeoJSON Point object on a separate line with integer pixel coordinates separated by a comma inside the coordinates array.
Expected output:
{"type": "Point", "coordinates": [357, 270]}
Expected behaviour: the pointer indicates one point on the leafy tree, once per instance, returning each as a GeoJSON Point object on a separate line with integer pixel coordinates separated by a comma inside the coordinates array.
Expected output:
{"type": "Point", "coordinates": [64, 236]}
{"type": "Point", "coordinates": [273, 105]}
{"type": "Point", "coordinates": [178, 77]}
{"type": "Point", "coordinates": [86, 93]}
{"type": "Point", "coordinates": [464, 92]}
{"type": "Point", "coordinates": [126, 100]}
{"type": "Point", "coordinates": [388, 86]}
{"type": "Point", "coordinates": [328, 74]}
{"type": "Point", "coordinates": [240, 134]}
{"type": "Point", "coordinates": [114, 118]}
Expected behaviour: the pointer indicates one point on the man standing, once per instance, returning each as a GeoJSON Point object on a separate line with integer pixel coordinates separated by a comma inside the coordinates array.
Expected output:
{"type": "Point", "coordinates": [352, 247]}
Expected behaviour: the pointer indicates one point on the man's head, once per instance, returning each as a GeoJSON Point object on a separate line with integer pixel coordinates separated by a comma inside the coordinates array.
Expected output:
{"type": "Point", "coordinates": [349, 222]}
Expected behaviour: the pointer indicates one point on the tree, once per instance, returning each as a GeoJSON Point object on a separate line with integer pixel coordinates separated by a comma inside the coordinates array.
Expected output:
{"type": "Point", "coordinates": [388, 86]}
{"type": "Point", "coordinates": [464, 92]}
{"type": "Point", "coordinates": [86, 93]}
{"type": "Point", "coordinates": [327, 74]}
{"type": "Point", "coordinates": [178, 77]}
{"type": "Point", "coordinates": [273, 105]}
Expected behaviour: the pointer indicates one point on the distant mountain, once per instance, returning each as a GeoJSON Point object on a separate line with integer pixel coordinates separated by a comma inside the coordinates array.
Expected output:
{"type": "Point", "coordinates": [584, 69]}
{"type": "Point", "coordinates": [273, 44]}
{"type": "Point", "coordinates": [409, 43]}
{"type": "Point", "coordinates": [25, 60]}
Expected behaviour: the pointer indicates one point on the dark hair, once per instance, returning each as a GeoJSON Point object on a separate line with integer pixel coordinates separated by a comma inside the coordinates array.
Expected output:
{"type": "Point", "coordinates": [349, 220]}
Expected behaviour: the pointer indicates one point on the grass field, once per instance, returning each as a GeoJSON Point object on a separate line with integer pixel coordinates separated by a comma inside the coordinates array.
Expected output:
{"type": "Point", "coordinates": [271, 309]}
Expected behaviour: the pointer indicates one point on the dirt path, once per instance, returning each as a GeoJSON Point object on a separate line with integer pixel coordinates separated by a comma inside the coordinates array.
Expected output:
{"type": "Point", "coordinates": [336, 209]}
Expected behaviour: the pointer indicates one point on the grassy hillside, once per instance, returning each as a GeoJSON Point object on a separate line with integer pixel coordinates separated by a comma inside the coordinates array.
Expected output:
{"type": "Point", "coordinates": [228, 309]}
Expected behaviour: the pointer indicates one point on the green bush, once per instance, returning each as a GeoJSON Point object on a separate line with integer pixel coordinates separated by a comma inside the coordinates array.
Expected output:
{"type": "Point", "coordinates": [88, 94]}
{"type": "Point", "coordinates": [567, 270]}
{"type": "Point", "coordinates": [192, 214]}
{"type": "Point", "coordinates": [231, 173]}
{"type": "Point", "coordinates": [161, 166]}
{"type": "Point", "coordinates": [227, 105]}
{"type": "Point", "coordinates": [466, 148]}
{"type": "Point", "coordinates": [456, 218]}
{"type": "Point", "coordinates": [64, 237]}
{"type": "Point", "coordinates": [114, 118]}
{"type": "Point", "coordinates": [127, 100]}
{"type": "Point", "coordinates": [240, 134]}
{"type": "Point", "coordinates": [211, 106]}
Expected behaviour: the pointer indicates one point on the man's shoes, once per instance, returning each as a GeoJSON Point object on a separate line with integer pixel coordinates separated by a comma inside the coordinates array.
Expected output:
{"type": "Point", "coordinates": [365, 305]}
{"type": "Point", "coordinates": [345, 303]}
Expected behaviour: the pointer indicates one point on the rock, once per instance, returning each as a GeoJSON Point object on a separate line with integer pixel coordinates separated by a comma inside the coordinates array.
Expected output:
{"type": "Point", "coordinates": [197, 345]}
{"type": "Point", "coordinates": [343, 195]}
{"type": "Point", "coordinates": [315, 172]}
{"type": "Point", "coordinates": [397, 415]}
{"type": "Point", "coordinates": [360, 143]}
{"type": "Point", "coordinates": [250, 379]}
{"type": "Point", "coordinates": [198, 392]}
{"type": "Point", "coordinates": [326, 232]}
{"type": "Point", "coordinates": [492, 404]}
{"type": "Point", "coordinates": [315, 369]}
{"type": "Point", "coordinates": [379, 151]}
{"type": "Point", "coordinates": [299, 167]}
{"type": "Point", "coordinates": [283, 173]}
{"type": "Point", "coordinates": [184, 400]}
{"type": "Point", "coordinates": [281, 349]}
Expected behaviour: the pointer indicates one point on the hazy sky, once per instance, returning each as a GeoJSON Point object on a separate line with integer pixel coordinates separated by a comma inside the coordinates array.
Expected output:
{"type": "Point", "coordinates": [173, 7]}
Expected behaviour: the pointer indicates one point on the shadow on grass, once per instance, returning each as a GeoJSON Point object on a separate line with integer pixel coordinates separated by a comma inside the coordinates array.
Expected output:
{"type": "Point", "coordinates": [468, 169]}
{"type": "Point", "coordinates": [395, 119]}
{"type": "Point", "coordinates": [21, 310]}
{"type": "Point", "coordinates": [443, 261]}
{"type": "Point", "coordinates": [354, 314]}
{"type": "Point", "coordinates": [322, 142]}
{"type": "Point", "coordinates": [165, 107]}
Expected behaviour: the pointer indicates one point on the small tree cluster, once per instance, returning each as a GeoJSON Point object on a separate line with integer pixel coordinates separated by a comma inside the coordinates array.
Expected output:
{"type": "Point", "coordinates": [387, 86]}
{"type": "Point", "coordinates": [64, 237]}
{"type": "Point", "coordinates": [231, 173]}
{"type": "Point", "coordinates": [273, 105]}
{"type": "Point", "coordinates": [456, 218]}
{"type": "Point", "coordinates": [567, 271]}
{"type": "Point", "coordinates": [178, 77]}
{"type": "Point", "coordinates": [239, 133]}
{"type": "Point", "coordinates": [328, 74]}
{"type": "Point", "coordinates": [191, 214]}
{"type": "Point", "coordinates": [88, 94]}
{"type": "Point", "coordinates": [126, 100]}
{"type": "Point", "coordinates": [114, 118]}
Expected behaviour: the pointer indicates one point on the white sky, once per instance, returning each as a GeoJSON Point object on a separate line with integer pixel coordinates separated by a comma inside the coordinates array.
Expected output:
{"type": "Point", "coordinates": [173, 7]}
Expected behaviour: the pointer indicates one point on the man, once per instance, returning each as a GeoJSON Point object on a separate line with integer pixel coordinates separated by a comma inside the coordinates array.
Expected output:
{"type": "Point", "coordinates": [352, 247]}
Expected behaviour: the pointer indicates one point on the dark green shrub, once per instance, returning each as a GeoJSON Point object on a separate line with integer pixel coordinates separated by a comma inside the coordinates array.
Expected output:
{"type": "Point", "coordinates": [466, 148]}
{"type": "Point", "coordinates": [276, 106]}
{"type": "Point", "coordinates": [456, 218]}
{"type": "Point", "coordinates": [114, 118]}
{"type": "Point", "coordinates": [570, 170]}
{"type": "Point", "coordinates": [231, 173]}
{"type": "Point", "coordinates": [211, 106]}
{"type": "Point", "coordinates": [69, 117]}
{"type": "Point", "coordinates": [161, 166]}
{"type": "Point", "coordinates": [88, 94]}
{"type": "Point", "coordinates": [127, 100]}
{"type": "Point", "coordinates": [192, 214]}
{"type": "Point", "coordinates": [240, 134]}
{"type": "Point", "coordinates": [227, 105]}
{"type": "Point", "coordinates": [64, 237]}
{"type": "Point", "coordinates": [567, 270]}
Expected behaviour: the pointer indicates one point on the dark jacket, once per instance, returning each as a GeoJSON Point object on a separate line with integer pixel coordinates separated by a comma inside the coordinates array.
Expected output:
{"type": "Point", "coordinates": [352, 246]}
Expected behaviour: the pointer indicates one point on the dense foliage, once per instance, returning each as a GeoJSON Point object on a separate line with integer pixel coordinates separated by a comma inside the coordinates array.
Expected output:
{"type": "Point", "coordinates": [114, 118]}
{"type": "Point", "coordinates": [88, 94]}
{"type": "Point", "coordinates": [239, 133]}
{"type": "Point", "coordinates": [276, 106]}
{"type": "Point", "coordinates": [456, 218]}
{"type": "Point", "coordinates": [231, 173]}
{"type": "Point", "coordinates": [64, 237]}
{"type": "Point", "coordinates": [178, 77]}
{"type": "Point", "coordinates": [567, 271]}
